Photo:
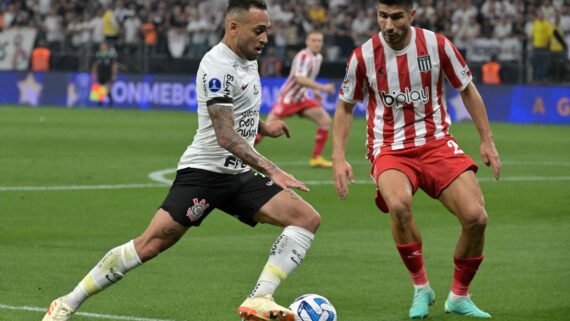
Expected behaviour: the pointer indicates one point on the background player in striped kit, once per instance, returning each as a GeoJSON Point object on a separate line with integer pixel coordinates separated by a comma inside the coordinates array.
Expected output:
{"type": "Point", "coordinates": [293, 99]}
{"type": "Point", "coordinates": [401, 70]}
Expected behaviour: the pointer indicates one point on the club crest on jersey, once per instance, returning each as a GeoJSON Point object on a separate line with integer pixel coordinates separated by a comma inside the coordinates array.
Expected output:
{"type": "Point", "coordinates": [214, 85]}
{"type": "Point", "coordinates": [197, 210]}
{"type": "Point", "coordinates": [424, 63]}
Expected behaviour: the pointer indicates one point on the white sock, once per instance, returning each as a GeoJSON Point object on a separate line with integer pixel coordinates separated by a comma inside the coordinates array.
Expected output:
{"type": "Point", "coordinates": [286, 254]}
{"type": "Point", "coordinates": [425, 285]}
{"type": "Point", "coordinates": [108, 271]}
{"type": "Point", "coordinates": [452, 296]}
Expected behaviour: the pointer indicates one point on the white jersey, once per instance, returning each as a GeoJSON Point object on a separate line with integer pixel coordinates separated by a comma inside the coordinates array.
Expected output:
{"type": "Point", "coordinates": [224, 79]}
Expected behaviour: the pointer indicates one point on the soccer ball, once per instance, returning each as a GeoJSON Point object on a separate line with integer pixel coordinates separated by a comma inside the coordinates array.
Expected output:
{"type": "Point", "coordinates": [313, 307]}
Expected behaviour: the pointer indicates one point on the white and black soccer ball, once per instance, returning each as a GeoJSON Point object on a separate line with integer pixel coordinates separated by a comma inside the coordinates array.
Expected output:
{"type": "Point", "coordinates": [313, 307]}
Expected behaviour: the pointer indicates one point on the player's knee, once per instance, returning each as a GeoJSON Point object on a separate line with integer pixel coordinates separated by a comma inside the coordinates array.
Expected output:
{"type": "Point", "coordinates": [401, 211]}
{"type": "Point", "coordinates": [309, 219]}
{"type": "Point", "coordinates": [325, 122]}
{"type": "Point", "coordinates": [475, 219]}
{"type": "Point", "coordinates": [402, 207]}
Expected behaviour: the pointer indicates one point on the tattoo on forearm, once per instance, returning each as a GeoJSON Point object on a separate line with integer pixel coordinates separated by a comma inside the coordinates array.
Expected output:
{"type": "Point", "coordinates": [223, 122]}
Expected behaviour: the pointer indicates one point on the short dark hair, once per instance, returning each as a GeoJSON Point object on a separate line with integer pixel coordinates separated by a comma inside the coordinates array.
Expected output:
{"type": "Point", "coordinates": [409, 4]}
{"type": "Point", "coordinates": [245, 5]}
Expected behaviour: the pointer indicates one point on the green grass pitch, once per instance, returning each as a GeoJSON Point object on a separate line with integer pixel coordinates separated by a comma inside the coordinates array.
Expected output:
{"type": "Point", "coordinates": [94, 166]}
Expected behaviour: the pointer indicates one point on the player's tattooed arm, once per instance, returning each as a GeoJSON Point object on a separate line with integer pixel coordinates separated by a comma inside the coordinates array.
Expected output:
{"type": "Point", "coordinates": [223, 122]}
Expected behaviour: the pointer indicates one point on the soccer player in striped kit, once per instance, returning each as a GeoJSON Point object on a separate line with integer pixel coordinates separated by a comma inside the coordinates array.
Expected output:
{"type": "Point", "coordinates": [401, 71]}
{"type": "Point", "coordinates": [293, 99]}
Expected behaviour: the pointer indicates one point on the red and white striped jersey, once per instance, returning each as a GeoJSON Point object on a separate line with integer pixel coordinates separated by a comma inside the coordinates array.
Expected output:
{"type": "Point", "coordinates": [406, 95]}
{"type": "Point", "coordinates": [306, 64]}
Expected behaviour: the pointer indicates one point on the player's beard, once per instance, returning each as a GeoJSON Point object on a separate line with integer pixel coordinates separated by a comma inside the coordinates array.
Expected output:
{"type": "Point", "coordinates": [250, 54]}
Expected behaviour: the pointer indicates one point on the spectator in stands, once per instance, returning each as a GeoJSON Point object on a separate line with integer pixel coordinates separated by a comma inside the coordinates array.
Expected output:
{"type": "Point", "coordinates": [465, 32]}
{"type": "Point", "coordinates": [503, 28]}
{"type": "Point", "coordinates": [177, 36]}
{"type": "Point", "coordinates": [464, 13]}
{"type": "Point", "coordinates": [541, 32]}
{"type": "Point", "coordinates": [40, 57]}
{"type": "Point", "coordinates": [111, 27]}
{"type": "Point", "coordinates": [198, 27]}
{"type": "Point", "coordinates": [565, 27]}
{"type": "Point", "coordinates": [150, 36]}
{"type": "Point", "coordinates": [548, 10]}
{"type": "Point", "coordinates": [96, 26]}
{"type": "Point", "coordinates": [558, 48]}
{"type": "Point", "coordinates": [491, 72]}
{"type": "Point", "coordinates": [132, 27]}
{"type": "Point", "coordinates": [271, 65]}
{"type": "Point", "coordinates": [53, 30]}
{"type": "Point", "coordinates": [362, 27]}
{"type": "Point", "coordinates": [345, 38]}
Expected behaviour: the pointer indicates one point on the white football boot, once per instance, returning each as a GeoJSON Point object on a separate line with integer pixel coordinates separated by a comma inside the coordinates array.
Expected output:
{"type": "Point", "coordinates": [264, 308]}
{"type": "Point", "coordinates": [58, 311]}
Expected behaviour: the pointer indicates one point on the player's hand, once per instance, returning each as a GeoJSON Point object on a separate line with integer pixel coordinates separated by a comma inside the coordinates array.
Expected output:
{"type": "Point", "coordinates": [318, 96]}
{"type": "Point", "coordinates": [287, 181]}
{"type": "Point", "coordinates": [276, 128]}
{"type": "Point", "coordinates": [342, 174]}
{"type": "Point", "coordinates": [491, 157]}
{"type": "Point", "coordinates": [329, 88]}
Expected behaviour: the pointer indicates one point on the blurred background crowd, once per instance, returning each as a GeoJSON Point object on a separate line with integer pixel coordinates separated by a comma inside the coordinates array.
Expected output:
{"type": "Point", "coordinates": [517, 33]}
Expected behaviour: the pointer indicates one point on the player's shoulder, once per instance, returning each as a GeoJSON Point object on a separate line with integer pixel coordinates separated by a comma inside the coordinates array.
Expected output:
{"type": "Point", "coordinates": [217, 58]}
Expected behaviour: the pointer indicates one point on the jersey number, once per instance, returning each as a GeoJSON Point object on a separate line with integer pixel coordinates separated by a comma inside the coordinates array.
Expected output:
{"type": "Point", "coordinates": [456, 149]}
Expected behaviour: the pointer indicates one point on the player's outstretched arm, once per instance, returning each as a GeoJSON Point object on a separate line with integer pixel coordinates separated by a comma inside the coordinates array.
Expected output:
{"type": "Point", "coordinates": [342, 171]}
{"type": "Point", "coordinates": [476, 108]}
{"type": "Point", "coordinates": [273, 128]}
{"type": "Point", "coordinates": [308, 82]}
{"type": "Point", "coordinates": [227, 137]}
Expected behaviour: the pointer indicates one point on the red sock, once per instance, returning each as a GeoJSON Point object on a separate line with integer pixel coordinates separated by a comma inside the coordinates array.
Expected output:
{"type": "Point", "coordinates": [258, 139]}
{"type": "Point", "coordinates": [414, 260]}
{"type": "Point", "coordinates": [320, 140]}
{"type": "Point", "coordinates": [465, 270]}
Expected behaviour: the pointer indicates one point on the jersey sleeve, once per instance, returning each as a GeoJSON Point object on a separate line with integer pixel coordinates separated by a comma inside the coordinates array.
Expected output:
{"type": "Point", "coordinates": [353, 88]}
{"type": "Point", "coordinates": [454, 66]}
{"type": "Point", "coordinates": [218, 82]}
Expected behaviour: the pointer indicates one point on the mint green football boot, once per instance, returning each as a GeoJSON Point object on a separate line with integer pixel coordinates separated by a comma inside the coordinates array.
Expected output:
{"type": "Point", "coordinates": [464, 306]}
{"type": "Point", "coordinates": [423, 298]}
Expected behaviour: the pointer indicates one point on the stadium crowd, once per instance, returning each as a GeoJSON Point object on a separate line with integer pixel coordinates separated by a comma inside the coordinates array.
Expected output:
{"type": "Point", "coordinates": [188, 28]}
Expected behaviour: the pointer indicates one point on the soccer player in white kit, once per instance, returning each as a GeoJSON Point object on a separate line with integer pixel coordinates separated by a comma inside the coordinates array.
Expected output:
{"type": "Point", "coordinates": [216, 172]}
{"type": "Point", "coordinates": [401, 71]}
{"type": "Point", "coordinates": [294, 100]}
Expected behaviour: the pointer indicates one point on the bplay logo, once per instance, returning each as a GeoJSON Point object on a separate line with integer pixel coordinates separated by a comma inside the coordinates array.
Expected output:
{"type": "Point", "coordinates": [399, 99]}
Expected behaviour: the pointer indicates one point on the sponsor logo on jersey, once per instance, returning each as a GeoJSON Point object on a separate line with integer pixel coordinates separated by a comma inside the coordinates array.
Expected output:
{"type": "Point", "coordinates": [227, 85]}
{"type": "Point", "coordinates": [214, 85]}
{"type": "Point", "coordinates": [399, 99]}
{"type": "Point", "coordinates": [234, 162]}
{"type": "Point", "coordinates": [424, 63]}
{"type": "Point", "coordinates": [197, 210]}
